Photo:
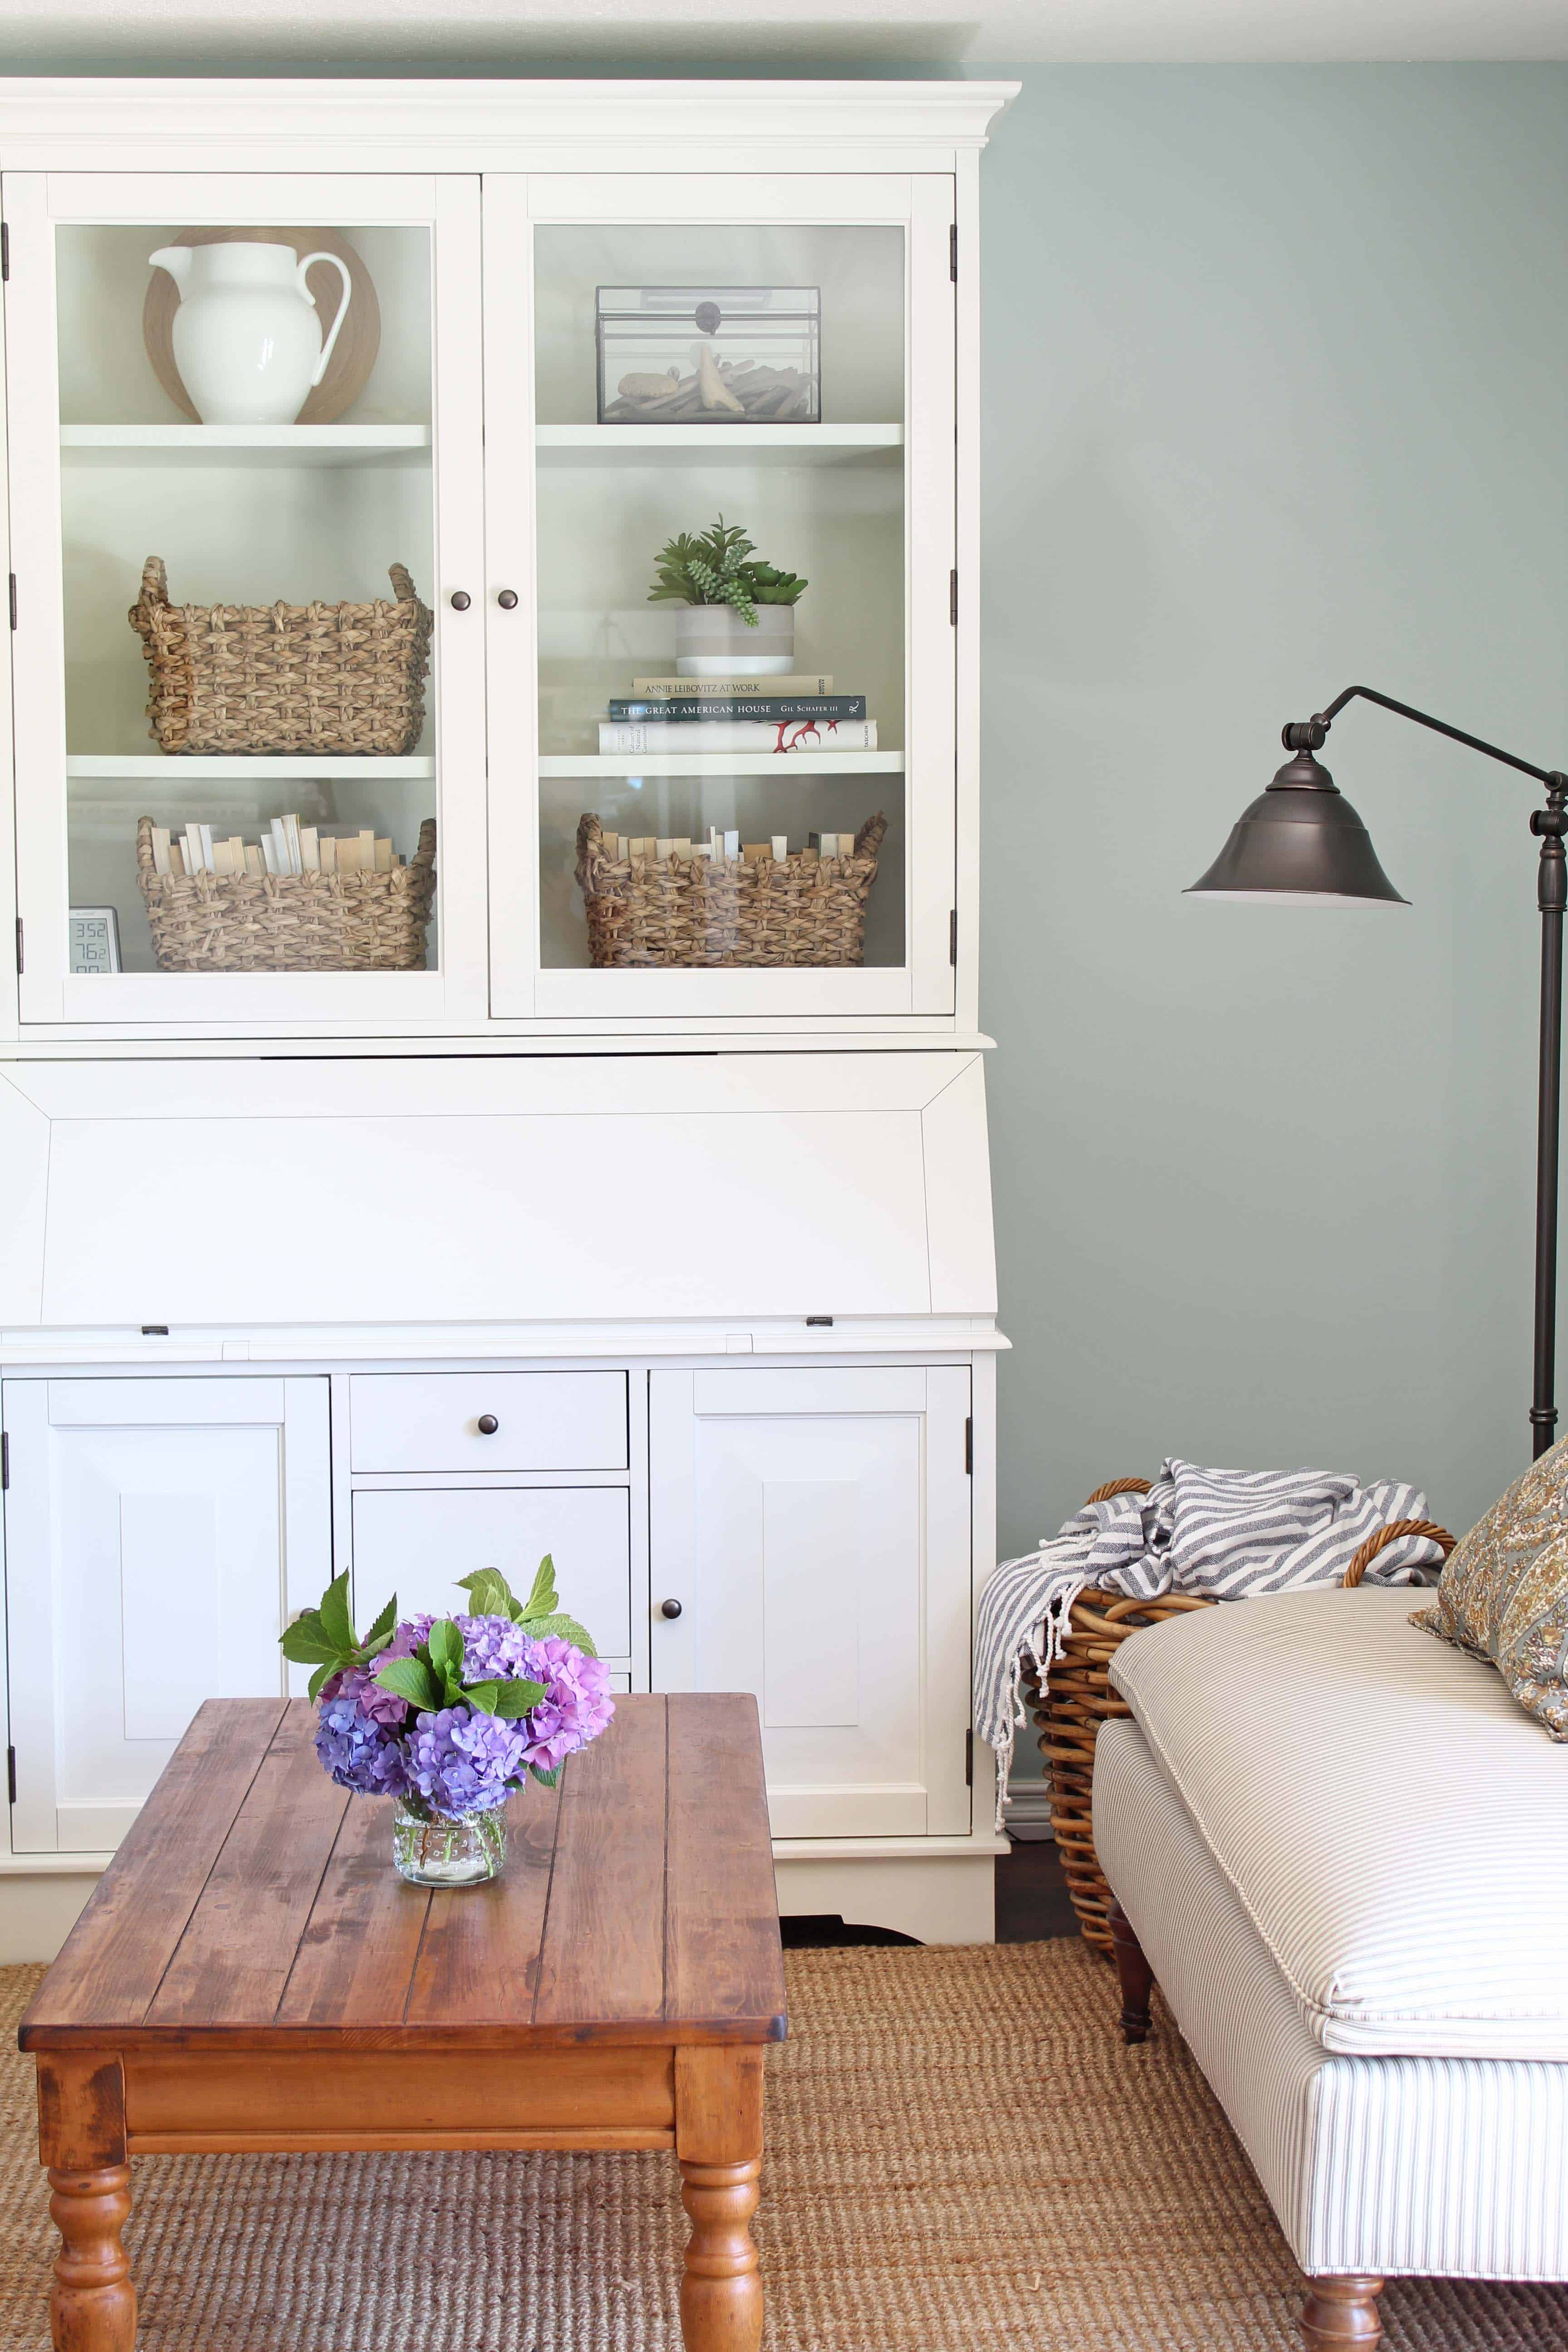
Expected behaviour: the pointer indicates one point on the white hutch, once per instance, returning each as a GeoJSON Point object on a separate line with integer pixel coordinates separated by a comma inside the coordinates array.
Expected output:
{"type": "Point", "coordinates": [679, 1267]}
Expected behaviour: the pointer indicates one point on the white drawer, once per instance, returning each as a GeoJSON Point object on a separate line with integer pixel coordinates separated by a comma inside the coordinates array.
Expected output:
{"type": "Point", "coordinates": [544, 1420]}
{"type": "Point", "coordinates": [417, 1545]}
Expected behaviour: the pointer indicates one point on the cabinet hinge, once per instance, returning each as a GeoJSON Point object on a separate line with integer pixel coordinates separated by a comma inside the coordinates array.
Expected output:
{"type": "Point", "coordinates": [5, 1457]}
{"type": "Point", "coordinates": [13, 600]}
{"type": "Point", "coordinates": [5, 248]}
{"type": "Point", "coordinates": [953, 251]}
{"type": "Point", "coordinates": [952, 937]}
{"type": "Point", "coordinates": [19, 956]}
{"type": "Point", "coordinates": [969, 1760]}
{"type": "Point", "coordinates": [969, 1448]}
{"type": "Point", "coordinates": [952, 599]}
{"type": "Point", "coordinates": [11, 1774]}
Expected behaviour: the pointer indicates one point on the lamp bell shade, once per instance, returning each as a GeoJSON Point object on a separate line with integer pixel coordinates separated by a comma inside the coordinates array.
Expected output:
{"type": "Point", "coordinates": [1302, 840]}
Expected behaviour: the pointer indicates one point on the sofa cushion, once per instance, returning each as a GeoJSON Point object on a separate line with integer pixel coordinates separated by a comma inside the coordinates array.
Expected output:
{"type": "Point", "coordinates": [1504, 1591]}
{"type": "Point", "coordinates": [1393, 1825]}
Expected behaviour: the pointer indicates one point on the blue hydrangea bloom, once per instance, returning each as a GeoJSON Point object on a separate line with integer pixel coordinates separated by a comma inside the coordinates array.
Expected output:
{"type": "Point", "coordinates": [360, 1753]}
{"type": "Point", "coordinates": [460, 1760]}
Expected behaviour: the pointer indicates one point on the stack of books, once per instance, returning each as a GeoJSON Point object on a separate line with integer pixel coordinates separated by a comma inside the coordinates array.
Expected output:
{"type": "Point", "coordinates": [286, 847]}
{"type": "Point", "coordinates": [725, 847]}
{"type": "Point", "coordinates": [737, 714]}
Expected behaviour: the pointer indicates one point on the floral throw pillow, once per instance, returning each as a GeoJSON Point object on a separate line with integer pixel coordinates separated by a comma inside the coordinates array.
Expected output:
{"type": "Point", "coordinates": [1504, 1591]}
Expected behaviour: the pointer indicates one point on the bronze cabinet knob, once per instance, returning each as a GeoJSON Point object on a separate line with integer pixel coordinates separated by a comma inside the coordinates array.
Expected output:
{"type": "Point", "coordinates": [670, 1608]}
{"type": "Point", "coordinates": [506, 599]}
{"type": "Point", "coordinates": [487, 1424]}
{"type": "Point", "coordinates": [460, 600]}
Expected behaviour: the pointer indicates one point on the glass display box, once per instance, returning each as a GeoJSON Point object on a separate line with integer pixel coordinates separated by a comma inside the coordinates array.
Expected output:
{"type": "Point", "coordinates": [710, 355]}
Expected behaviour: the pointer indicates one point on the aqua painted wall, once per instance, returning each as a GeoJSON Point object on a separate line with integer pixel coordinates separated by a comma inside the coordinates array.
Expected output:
{"type": "Point", "coordinates": [1275, 365]}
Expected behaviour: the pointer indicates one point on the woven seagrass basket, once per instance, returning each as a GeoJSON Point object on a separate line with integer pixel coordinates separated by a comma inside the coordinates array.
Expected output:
{"type": "Point", "coordinates": [290, 922]}
{"type": "Point", "coordinates": [1079, 1699]}
{"type": "Point", "coordinates": [799, 909]}
{"type": "Point", "coordinates": [332, 679]}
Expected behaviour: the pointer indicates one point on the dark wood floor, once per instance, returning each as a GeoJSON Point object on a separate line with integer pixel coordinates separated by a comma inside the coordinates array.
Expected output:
{"type": "Point", "coordinates": [1031, 1904]}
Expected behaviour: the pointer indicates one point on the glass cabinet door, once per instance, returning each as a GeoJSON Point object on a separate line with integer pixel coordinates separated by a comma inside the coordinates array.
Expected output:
{"type": "Point", "coordinates": [245, 498]}
{"type": "Point", "coordinates": [723, 772]}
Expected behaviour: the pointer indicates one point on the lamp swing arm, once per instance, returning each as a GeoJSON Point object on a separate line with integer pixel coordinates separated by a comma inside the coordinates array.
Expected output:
{"type": "Point", "coordinates": [1310, 735]}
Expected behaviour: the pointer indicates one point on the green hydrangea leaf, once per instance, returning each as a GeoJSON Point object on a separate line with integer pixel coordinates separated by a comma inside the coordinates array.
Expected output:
{"type": "Point", "coordinates": [542, 1599]}
{"type": "Point", "coordinates": [483, 1696]}
{"type": "Point", "coordinates": [412, 1680]}
{"type": "Point", "coordinates": [517, 1698]}
{"type": "Point", "coordinates": [381, 1632]}
{"type": "Point", "coordinates": [546, 1779]}
{"type": "Point", "coordinates": [323, 1673]}
{"type": "Point", "coordinates": [304, 1641]}
{"type": "Point", "coordinates": [489, 1594]}
{"type": "Point", "coordinates": [445, 1644]}
{"type": "Point", "coordinates": [336, 1623]}
{"type": "Point", "coordinates": [562, 1627]}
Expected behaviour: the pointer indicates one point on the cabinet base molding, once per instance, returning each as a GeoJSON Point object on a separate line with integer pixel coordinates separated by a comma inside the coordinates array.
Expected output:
{"type": "Point", "coordinates": [936, 1898]}
{"type": "Point", "coordinates": [41, 1898]}
{"type": "Point", "coordinates": [947, 1896]}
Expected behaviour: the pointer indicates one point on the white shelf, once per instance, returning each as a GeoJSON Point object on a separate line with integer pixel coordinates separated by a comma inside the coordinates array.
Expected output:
{"type": "Point", "coordinates": [244, 445]}
{"type": "Point", "coordinates": [174, 769]}
{"type": "Point", "coordinates": [717, 445]}
{"type": "Point", "coordinates": [723, 764]}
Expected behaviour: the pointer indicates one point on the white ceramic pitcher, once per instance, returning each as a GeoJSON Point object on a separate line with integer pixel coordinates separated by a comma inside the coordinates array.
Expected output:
{"type": "Point", "coordinates": [246, 336]}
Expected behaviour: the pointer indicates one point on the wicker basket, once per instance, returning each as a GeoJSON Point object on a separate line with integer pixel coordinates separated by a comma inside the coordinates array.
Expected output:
{"type": "Point", "coordinates": [1080, 1699]}
{"type": "Point", "coordinates": [325, 678]}
{"type": "Point", "coordinates": [795, 911]}
{"type": "Point", "coordinates": [290, 922]}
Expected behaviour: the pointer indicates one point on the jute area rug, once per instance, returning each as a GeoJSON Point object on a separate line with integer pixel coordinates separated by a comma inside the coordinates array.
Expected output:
{"type": "Point", "coordinates": [962, 2154]}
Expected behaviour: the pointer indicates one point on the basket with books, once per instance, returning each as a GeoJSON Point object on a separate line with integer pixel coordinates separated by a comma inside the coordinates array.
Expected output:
{"type": "Point", "coordinates": [298, 901]}
{"type": "Point", "coordinates": [653, 903]}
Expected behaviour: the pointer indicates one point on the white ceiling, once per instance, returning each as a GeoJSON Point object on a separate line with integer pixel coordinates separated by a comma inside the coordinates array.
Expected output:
{"type": "Point", "coordinates": [799, 36]}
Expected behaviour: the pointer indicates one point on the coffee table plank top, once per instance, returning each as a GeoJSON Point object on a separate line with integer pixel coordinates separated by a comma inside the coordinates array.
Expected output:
{"type": "Point", "coordinates": [254, 1903]}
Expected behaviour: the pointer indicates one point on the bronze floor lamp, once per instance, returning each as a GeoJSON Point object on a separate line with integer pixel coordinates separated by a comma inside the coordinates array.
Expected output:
{"type": "Point", "coordinates": [1301, 839]}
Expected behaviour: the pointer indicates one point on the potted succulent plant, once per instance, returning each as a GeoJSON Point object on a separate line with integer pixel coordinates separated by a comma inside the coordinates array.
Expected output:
{"type": "Point", "coordinates": [738, 614]}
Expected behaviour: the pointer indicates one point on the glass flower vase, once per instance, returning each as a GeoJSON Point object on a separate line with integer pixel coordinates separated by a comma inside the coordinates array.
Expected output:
{"type": "Point", "coordinates": [432, 1849]}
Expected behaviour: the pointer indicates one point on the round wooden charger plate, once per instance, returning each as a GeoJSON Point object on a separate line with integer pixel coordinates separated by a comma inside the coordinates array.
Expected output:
{"type": "Point", "coordinates": [348, 369]}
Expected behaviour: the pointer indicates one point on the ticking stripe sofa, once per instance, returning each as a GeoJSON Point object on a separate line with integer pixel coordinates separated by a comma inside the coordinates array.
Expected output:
{"type": "Point", "coordinates": [1342, 1849]}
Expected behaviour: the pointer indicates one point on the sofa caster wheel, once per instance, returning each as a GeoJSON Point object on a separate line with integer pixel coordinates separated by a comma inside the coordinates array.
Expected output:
{"type": "Point", "coordinates": [1136, 1977]}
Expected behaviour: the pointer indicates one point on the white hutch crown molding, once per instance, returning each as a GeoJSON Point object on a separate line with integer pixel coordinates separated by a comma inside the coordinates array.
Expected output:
{"type": "Point", "coordinates": [583, 1228]}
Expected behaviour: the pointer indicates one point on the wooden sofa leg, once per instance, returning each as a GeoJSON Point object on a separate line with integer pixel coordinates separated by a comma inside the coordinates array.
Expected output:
{"type": "Point", "coordinates": [1136, 1976]}
{"type": "Point", "coordinates": [1341, 2314]}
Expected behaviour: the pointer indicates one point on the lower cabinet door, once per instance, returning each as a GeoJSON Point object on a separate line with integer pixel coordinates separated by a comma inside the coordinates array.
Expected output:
{"type": "Point", "coordinates": [415, 1543]}
{"type": "Point", "coordinates": [158, 1533]}
{"type": "Point", "coordinates": [813, 1529]}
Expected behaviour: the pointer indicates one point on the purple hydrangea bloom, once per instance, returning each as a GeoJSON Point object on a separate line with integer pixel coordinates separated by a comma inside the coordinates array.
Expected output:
{"type": "Point", "coordinates": [494, 1648]}
{"type": "Point", "coordinates": [406, 1638]}
{"type": "Point", "coordinates": [359, 1684]}
{"type": "Point", "coordinates": [360, 1752]}
{"type": "Point", "coordinates": [460, 1759]}
{"type": "Point", "coordinates": [576, 1706]}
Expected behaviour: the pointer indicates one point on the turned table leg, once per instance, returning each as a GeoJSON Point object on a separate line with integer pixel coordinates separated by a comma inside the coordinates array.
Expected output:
{"type": "Point", "coordinates": [81, 2138]}
{"type": "Point", "coordinates": [1341, 2314]}
{"type": "Point", "coordinates": [1136, 1977]}
{"type": "Point", "coordinates": [718, 2147]}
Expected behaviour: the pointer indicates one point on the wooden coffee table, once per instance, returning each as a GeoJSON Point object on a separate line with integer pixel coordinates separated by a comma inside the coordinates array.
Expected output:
{"type": "Point", "coordinates": [251, 1962]}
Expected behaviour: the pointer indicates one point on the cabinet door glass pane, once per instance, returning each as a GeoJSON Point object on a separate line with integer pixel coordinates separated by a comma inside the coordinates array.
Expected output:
{"type": "Point", "coordinates": [269, 707]}
{"type": "Point", "coordinates": [721, 767]}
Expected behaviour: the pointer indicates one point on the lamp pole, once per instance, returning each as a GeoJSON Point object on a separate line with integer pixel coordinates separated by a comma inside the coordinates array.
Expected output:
{"type": "Point", "coordinates": [1308, 843]}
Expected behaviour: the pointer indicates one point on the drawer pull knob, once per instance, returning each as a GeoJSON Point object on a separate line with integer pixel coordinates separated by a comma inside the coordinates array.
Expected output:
{"type": "Point", "coordinates": [506, 600]}
{"type": "Point", "coordinates": [488, 1424]}
{"type": "Point", "coordinates": [460, 600]}
{"type": "Point", "coordinates": [670, 1608]}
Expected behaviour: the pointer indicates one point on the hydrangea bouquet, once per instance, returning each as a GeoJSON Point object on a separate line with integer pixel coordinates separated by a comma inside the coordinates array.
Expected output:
{"type": "Point", "coordinates": [448, 1714]}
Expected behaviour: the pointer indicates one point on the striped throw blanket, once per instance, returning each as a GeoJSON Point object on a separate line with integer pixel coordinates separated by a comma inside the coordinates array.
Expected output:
{"type": "Point", "coordinates": [1229, 1534]}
